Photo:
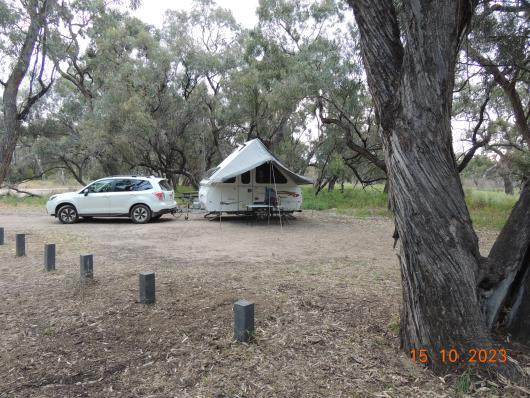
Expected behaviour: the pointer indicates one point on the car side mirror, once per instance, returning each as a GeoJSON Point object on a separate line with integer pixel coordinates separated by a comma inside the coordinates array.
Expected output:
{"type": "Point", "coordinates": [85, 192]}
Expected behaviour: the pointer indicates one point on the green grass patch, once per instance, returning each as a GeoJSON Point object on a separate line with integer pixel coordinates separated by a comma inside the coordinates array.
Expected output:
{"type": "Point", "coordinates": [355, 201]}
{"type": "Point", "coordinates": [395, 326]}
{"type": "Point", "coordinates": [12, 200]}
{"type": "Point", "coordinates": [489, 209]}
{"type": "Point", "coordinates": [184, 188]}
{"type": "Point", "coordinates": [463, 383]}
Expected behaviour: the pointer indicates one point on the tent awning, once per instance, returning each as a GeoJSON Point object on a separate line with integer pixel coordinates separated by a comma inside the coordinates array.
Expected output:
{"type": "Point", "coordinates": [247, 157]}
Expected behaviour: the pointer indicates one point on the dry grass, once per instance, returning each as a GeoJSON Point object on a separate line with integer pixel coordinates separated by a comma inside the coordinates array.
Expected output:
{"type": "Point", "coordinates": [325, 323]}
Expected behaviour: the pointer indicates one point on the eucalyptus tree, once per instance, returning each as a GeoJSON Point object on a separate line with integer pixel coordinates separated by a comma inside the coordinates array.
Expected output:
{"type": "Point", "coordinates": [23, 45]}
{"type": "Point", "coordinates": [499, 44]}
{"type": "Point", "coordinates": [452, 296]}
{"type": "Point", "coordinates": [494, 82]}
{"type": "Point", "coordinates": [150, 103]}
{"type": "Point", "coordinates": [287, 56]}
{"type": "Point", "coordinates": [63, 133]}
{"type": "Point", "coordinates": [36, 37]}
{"type": "Point", "coordinates": [144, 116]}
{"type": "Point", "coordinates": [482, 105]}
{"type": "Point", "coordinates": [317, 72]}
{"type": "Point", "coordinates": [163, 103]}
{"type": "Point", "coordinates": [205, 46]}
{"type": "Point", "coordinates": [74, 127]}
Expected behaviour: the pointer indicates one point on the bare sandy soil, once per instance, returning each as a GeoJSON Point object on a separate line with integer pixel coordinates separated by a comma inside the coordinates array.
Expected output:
{"type": "Point", "coordinates": [326, 288]}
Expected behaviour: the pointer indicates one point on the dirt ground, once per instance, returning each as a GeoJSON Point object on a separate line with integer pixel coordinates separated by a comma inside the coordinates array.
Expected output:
{"type": "Point", "coordinates": [326, 289]}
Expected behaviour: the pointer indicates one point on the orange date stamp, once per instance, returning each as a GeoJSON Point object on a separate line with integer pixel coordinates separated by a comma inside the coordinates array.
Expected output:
{"type": "Point", "coordinates": [454, 356]}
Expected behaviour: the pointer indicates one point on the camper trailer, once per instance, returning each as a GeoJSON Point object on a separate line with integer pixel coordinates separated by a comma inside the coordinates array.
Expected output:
{"type": "Point", "coordinates": [248, 178]}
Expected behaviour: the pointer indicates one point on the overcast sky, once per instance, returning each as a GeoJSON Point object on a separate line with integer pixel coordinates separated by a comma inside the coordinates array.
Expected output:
{"type": "Point", "coordinates": [152, 11]}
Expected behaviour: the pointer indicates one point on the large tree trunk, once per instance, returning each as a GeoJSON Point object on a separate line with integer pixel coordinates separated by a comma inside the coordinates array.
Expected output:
{"type": "Point", "coordinates": [412, 89]}
{"type": "Point", "coordinates": [440, 255]}
{"type": "Point", "coordinates": [451, 295]}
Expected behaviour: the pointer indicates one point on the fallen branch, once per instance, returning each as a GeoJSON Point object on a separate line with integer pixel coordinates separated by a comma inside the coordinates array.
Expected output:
{"type": "Point", "coordinates": [13, 188]}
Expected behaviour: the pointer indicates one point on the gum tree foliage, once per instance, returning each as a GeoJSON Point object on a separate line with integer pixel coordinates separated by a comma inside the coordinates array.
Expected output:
{"type": "Point", "coordinates": [63, 140]}
{"type": "Point", "coordinates": [153, 99]}
{"type": "Point", "coordinates": [23, 44]}
{"type": "Point", "coordinates": [34, 35]}
{"type": "Point", "coordinates": [493, 80]}
{"type": "Point", "coordinates": [145, 119]}
{"type": "Point", "coordinates": [205, 46]}
{"type": "Point", "coordinates": [201, 84]}
{"type": "Point", "coordinates": [481, 166]}
{"type": "Point", "coordinates": [282, 57]}
{"type": "Point", "coordinates": [304, 77]}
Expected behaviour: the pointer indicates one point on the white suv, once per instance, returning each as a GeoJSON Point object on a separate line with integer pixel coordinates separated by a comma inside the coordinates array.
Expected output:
{"type": "Point", "coordinates": [139, 198]}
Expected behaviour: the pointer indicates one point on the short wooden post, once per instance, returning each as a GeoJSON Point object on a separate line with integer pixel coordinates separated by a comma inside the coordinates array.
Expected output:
{"type": "Point", "coordinates": [147, 287]}
{"type": "Point", "coordinates": [49, 257]}
{"type": "Point", "coordinates": [20, 245]}
{"type": "Point", "coordinates": [86, 267]}
{"type": "Point", "coordinates": [1, 235]}
{"type": "Point", "coordinates": [244, 321]}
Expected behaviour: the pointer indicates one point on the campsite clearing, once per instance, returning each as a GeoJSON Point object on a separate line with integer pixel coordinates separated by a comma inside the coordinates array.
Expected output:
{"type": "Point", "coordinates": [327, 293]}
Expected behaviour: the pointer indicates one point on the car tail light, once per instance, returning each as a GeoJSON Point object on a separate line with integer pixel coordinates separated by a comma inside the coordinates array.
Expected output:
{"type": "Point", "coordinates": [159, 195]}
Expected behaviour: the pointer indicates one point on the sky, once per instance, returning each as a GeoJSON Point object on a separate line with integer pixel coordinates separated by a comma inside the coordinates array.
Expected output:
{"type": "Point", "coordinates": [152, 11]}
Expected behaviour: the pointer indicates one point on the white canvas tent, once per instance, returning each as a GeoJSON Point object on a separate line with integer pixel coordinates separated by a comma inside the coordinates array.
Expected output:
{"type": "Point", "coordinates": [242, 179]}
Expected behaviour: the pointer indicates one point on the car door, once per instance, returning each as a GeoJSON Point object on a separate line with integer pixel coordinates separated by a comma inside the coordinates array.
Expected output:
{"type": "Point", "coordinates": [121, 195]}
{"type": "Point", "coordinates": [95, 199]}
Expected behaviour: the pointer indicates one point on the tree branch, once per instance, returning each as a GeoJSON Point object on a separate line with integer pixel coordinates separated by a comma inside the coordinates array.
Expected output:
{"type": "Point", "coordinates": [14, 188]}
{"type": "Point", "coordinates": [509, 91]}
{"type": "Point", "coordinates": [363, 151]}
{"type": "Point", "coordinates": [476, 144]}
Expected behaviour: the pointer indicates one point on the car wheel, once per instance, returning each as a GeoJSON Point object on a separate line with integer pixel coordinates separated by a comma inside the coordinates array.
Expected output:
{"type": "Point", "coordinates": [140, 214]}
{"type": "Point", "coordinates": [67, 214]}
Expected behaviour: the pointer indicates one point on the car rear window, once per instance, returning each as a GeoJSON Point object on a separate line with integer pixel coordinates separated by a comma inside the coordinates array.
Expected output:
{"type": "Point", "coordinates": [164, 185]}
{"type": "Point", "coordinates": [123, 185]}
{"type": "Point", "coordinates": [127, 185]}
{"type": "Point", "coordinates": [142, 185]}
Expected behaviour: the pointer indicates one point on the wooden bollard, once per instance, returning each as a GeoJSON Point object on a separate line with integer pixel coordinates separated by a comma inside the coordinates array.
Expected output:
{"type": "Point", "coordinates": [147, 287]}
{"type": "Point", "coordinates": [49, 257]}
{"type": "Point", "coordinates": [244, 321]}
{"type": "Point", "coordinates": [86, 264]}
{"type": "Point", "coordinates": [20, 245]}
{"type": "Point", "coordinates": [1, 235]}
